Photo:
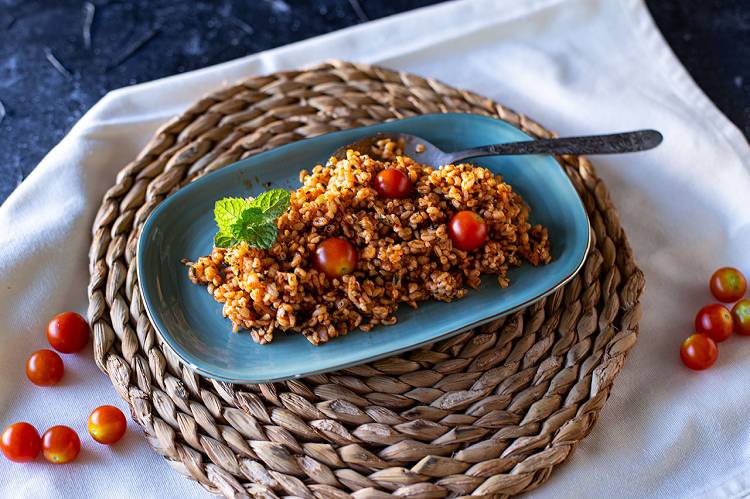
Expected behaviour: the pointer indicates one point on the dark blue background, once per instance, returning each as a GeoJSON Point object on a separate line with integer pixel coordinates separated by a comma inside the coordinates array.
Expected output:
{"type": "Point", "coordinates": [711, 37]}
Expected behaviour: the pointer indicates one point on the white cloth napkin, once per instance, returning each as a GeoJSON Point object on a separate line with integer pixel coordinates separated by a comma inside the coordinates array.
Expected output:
{"type": "Point", "coordinates": [576, 66]}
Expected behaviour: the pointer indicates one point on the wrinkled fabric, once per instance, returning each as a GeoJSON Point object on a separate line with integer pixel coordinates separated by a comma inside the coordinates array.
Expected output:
{"type": "Point", "coordinates": [577, 67]}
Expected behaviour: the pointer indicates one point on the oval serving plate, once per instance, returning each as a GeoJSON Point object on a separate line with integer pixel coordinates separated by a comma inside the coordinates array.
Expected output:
{"type": "Point", "coordinates": [191, 323]}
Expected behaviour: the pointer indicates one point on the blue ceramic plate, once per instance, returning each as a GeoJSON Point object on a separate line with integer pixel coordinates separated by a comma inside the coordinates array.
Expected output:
{"type": "Point", "coordinates": [191, 323]}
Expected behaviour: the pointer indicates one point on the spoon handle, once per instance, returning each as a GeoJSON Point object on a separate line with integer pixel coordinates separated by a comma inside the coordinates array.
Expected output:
{"type": "Point", "coordinates": [614, 143]}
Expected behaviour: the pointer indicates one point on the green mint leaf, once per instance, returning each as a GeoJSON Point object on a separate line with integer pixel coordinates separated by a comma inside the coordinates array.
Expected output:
{"type": "Point", "coordinates": [263, 236]}
{"type": "Point", "coordinates": [227, 211]}
{"type": "Point", "coordinates": [272, 203]}
{"type": "Point", "coordinates": [255, 228]}
{"type": "Point", "coordinates": [251, 221]}
{"type": "Point", "coordinates": [249, 216]}
{"type": "Point", "coordinates": [224, 240]}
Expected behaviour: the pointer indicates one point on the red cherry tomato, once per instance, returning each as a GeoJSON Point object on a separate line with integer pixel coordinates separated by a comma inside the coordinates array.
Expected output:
{"type": "Point", "coordinates": [68, 332]}
{"type": "Point", "coordinates": [107, 424]}
{"type": "Point", "coordinates": [715, 321]}
{"type": "Point", "coordinates": [44, 368]}
{"type": "Point", "coordinates": [728, 284]}
{"type": "Point", "coordinates": [467, 230]}
{"type": "Point", "coordinates": [335, 257]}
{"type": "Point", "coordinates": [60, 444]}
{"type": "Point", "coordinates": [392, 183]}
{"type": "Point", "coordinates": [741, 316]}
{"type": "Point", "coordinates": [698, 352]}
{"type": "Point", "coordinates": [20, 442]}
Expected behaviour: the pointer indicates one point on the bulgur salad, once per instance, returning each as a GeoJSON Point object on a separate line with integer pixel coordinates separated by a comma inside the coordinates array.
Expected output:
{"type": "Point", "coordinates": [361, 236]}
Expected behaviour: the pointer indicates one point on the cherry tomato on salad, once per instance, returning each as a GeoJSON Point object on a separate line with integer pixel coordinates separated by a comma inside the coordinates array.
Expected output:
{"type": "Point", "coordinates": [60, 444]}
{"type": "Point", "coordinates": [698, 352]}
{"type": "Point", "coordinates": [335, 257]}
{"type": "Point", "coordinates": [741, 316]}
{"type": "Point", "coordinates": [467, 230]}
{"type": "Point", "coordinates": [392, 183]}
{"type": "Point", "coordinates": [728, 284]}
{"type": "Point", "coordinates": [68, 332]}
{"type": "Point", "coordinates": [107, 424]}
{"type": "Point", "coordinates": [44, 368]}
{"type": "Point", "coordinates": [715, 321]}
{"type": "Point", "coordinates": [20, 442]}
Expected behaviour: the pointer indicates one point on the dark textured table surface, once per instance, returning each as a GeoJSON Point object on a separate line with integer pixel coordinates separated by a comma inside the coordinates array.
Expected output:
{"type": "Point", "coordinates": [49, 78]}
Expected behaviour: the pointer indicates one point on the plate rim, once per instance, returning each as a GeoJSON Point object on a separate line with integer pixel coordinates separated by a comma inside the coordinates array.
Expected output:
{"type": "Point", "coordinates": [165, 338]}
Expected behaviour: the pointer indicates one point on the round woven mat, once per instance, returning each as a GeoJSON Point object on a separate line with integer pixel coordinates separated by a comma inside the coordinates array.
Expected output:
{"type": "Point", "coordinates": [489, 412]}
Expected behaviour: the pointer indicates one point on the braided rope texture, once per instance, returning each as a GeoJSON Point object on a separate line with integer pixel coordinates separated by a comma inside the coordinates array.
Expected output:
{"type": "Point", "coordinates": [488, 413]}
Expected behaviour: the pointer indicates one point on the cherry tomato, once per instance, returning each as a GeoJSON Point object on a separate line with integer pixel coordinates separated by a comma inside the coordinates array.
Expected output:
{"type": "Point", "coordinates": [107, 424]}
{"type": "Point", "coordinates": [44, 368]}
{"type": "Point", "coordinates": [335, 257]}
{"type": "Point", "coordinates": [392, 183]}
{"type": "Point", "coordinates": [741, 316]}
{"type": "Point", "coordinates": [467, 230]}
{"type": "Point", "coordinates": [698, 352]}
{"type": "Point", "coordinates": [60, 444]}
{"type": "Point", "coordinates": [728, 284]}
{"type": "Point", "coordinates": [68, 332]}
{"type": "Point", "coordinates": [715, 321]}
{"type": "Point", "coordinates": [20, 442]}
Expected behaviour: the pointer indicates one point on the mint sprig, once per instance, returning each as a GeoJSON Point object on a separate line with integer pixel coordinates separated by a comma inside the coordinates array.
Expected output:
{"type": "Point", "coordinates": [251, 221]}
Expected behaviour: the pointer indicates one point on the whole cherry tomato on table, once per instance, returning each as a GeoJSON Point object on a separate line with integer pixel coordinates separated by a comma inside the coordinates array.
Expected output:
{"type": "Point", "coordinates": [741, 316]}
{"type": "Point", "coordinates": [728, 284]}
{"type": "Point", "coordinates": [107, 424]}
{"type": "Point", "coordinates": [20, 442]}
{"type": "Point", "coordinates": [715, 321]}
{"type": "Point", "coordinates": [60, 444]}
{"type": "Point", "coordinates": [335, 257]}
{"type": "Point", "coordinates": [392, 183]}
{"type": "Point", "coordinates": [68, 332]}
{"type": "Point", "coordinates": [698, 352]}
{"type": "Point", "coordinates": [44, 368]}
{"type": "Point", "coordinates": [467, 230]}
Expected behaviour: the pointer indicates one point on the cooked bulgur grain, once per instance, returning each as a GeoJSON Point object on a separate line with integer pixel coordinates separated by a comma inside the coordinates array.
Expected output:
{"type": "Point", "coordinates": [405, 253]}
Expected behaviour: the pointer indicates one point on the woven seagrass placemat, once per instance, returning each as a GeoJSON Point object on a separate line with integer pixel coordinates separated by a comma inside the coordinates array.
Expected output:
{"type": "Point", "coordinates": [488, 412]}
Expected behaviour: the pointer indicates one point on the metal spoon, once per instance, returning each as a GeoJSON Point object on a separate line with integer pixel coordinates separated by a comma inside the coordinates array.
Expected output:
{"type": "Point", "coordinates": [429, 154]}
